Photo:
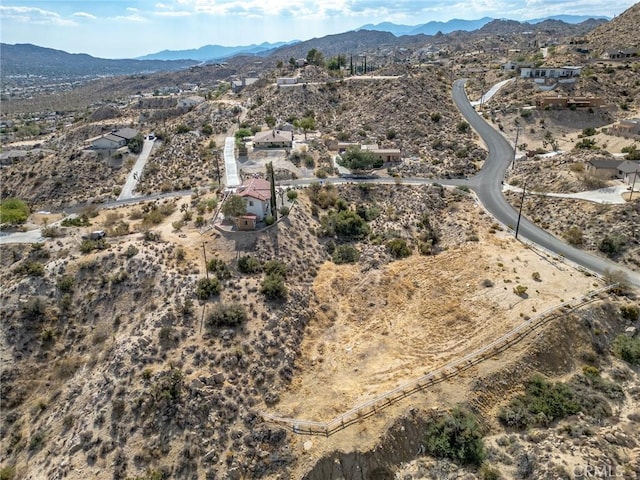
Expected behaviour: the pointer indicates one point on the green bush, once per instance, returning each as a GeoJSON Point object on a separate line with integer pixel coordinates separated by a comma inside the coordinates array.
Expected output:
{"type": "Point", "coordinates": [208, 287]}
{"type": "Point", "coordinates": [543, 402]}
{"type": "Point", "coordinates": [574, 236]}
{"type": "Point", "coordinates": [276, 267]}
{"type": "Point", "coordinates": [456, 436]}
{"type": "Point", "coordinates": [356, 159]}
{"type": "Point", "coordinates": [284, 210]}
{"type": "Point", "coordinates": [33, 269]}
{"type": "Point", "coordinates": [249, 264]}
{"type": "Point", "coordinates": [627, 348]}
{"type": "Point", "coordinates": [13, 211]}
{"type": "Point", "coordinates": [612, 244]}
{"type": "Point", "coordinates": [273, 287]}
{"type": "Point", "coordinates": [345, 254]}
{"type": "Point", "coordinates": [81, 221]}
{"type": "Point", "coordinates": [220, 268]}
{"type": "Point", "coordinates": [398, 248]}
{"type": "Point", "coordinates": [228, 316]}
{"type": "Point", "coordinates": [66, 283]}
{"type": "Point", "coordinates": [292, 195]}
{"type": "Point", "coordinates": [630, 312]}
{"type": "Point", "coordinates": [269, 220]}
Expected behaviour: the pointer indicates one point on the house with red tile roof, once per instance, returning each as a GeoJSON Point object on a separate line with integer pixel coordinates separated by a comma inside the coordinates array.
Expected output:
{"type": "Point", "coordinates": [256, 193]}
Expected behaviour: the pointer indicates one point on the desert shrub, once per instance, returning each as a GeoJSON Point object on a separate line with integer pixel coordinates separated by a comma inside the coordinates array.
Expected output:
{"type": "Point", "coordinates": [269, 220]}
{"type": "Point", "coordinates": [627, 348]}
{"type": "Point", "coordinates": [284, 210]}
{"type": "Point", "coordinates": [13, 211]}
{"type": "Point", "coordinates": [574, 236]}
{"type": "Point", "coordinates": [612, 244]}
{"type": "Point", "coordinates": [81, 221]}
{"type": "Point", "coordinates": [275, 267]}
{"type": "Point", "coordinates": [131, 251]}
{"type": "Point", "coordinates": [398, 248]}
{"type": "Point", "coordinates": [346, 224]}
{"type": "Point", "coordinates": [273, 287]}
{"type": "Point", "coordinates": [589, 132]}
{"type": "Point", "coordinates": [463, 127]}
{"type": "Point", "coordinates": [586, 144]}
{"type": "Point", "coordinates": [618, 278]}
{"type": "Point", "coordinates": [8, 472]}
{"type": "Point", "coordinates": [292, 195]}
{"type": "Point", "coordinates": [231, 315]}
{"type": "Point", "coordinates": [345, 254]}
{"type": "Point", "coordinates": [66, 283]}
{"type": "Point", "coordinates": [88, 246]}
{"type": "Point", "coordinates": [543, 402]}
{"type": "Point", "coordinates": [520, 290]}
{"type": "Point", "coordinates": [456, 436]}
{"type": "Point", "coordinates": [208, 287]}
{"type": "Point", "coordinates": [220, 268]}
{"type": "Point", "coordinates": [487, 472]}
{"type": "Point", "coordinates": [436, 117]}
{"type": "Point", "coordinates": [630, 312]}
{"type": "Point", "coordinates": [249, 264]}
{"type": "Point", "coordinates": [33, 269]}
{"type": "Point", "coordinates": [536, 276]}
{"type": "Point", "coordinates": [367, 213]}
{"type": "Point", "coordinates": [51, 232]}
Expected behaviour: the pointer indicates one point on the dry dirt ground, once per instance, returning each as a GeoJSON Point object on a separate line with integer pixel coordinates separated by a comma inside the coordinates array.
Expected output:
{"type": "Point", "coordinates": [375, 330]}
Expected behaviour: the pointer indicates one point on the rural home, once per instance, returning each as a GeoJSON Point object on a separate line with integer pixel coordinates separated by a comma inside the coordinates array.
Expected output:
{"type": "Point", "coordinates": [286, 81]}
{"type": "Point", "coordinates": [273, 139]}
{"type": "Point", "coordinates": [515, 66]}
{"type": "Point", "coordinates": [610, 169]}
{"type": "Point", "coordinates": [114, 140]}
{"type": "Point", "coordinates": [387, 155]}
{"type": "Point", "coordinates": [10, 156]}
{"type": "Point", "coordinates": [627, 128]}
{"type": "Point", "coordinates": [189, 102]}
{"type": "Point", "coordinates": [629, 172]}
{"type": "Point", "coordinates": [550, 72]}
{"type": "Point", "coordinates": [256, 194]}
{"type": "Point", "coordinates": [568, 102]}
{"type": "Point", "coordinates": [620, 53]}
{"type": "Point", "coordinates": [238, 85]}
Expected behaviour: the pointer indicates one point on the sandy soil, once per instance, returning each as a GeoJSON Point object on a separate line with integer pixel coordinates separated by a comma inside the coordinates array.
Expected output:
{"type": "Point", "coordinates": [374, 331]}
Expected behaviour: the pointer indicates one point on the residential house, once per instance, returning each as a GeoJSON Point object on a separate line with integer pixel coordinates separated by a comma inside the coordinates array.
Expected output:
{"type": "Point", "coordinates": [189, 102]}
{"type": "Point", "coordinates": [256, 193]}
{"type": "Point", "coordinates": [10, 156]}
{"type": "Point", "coordinates": [273, 139]}
{"type": "Point", "coordinates": [550, 72]}
{"type": "Point", "coordinates": [238, 85]}
{"type": "Point", "coordinates": [568, 102]}
{"type": "Point", "coordinates": [286, 81]}
{"type": "Point", "coordinates": [387, 155]}
{"type": "Point", "coordinates": [607, 169]}
{"type": "Point", "coordinates": [629, 172]}
{"type": "Point", "coordinates": [620, 53]}
{"type": "Point", "coordinates": [115, 139]}
{"type": "Point", "coordinates": [515, 66]}
{"type": "Point", "coordinates": [627, 128]}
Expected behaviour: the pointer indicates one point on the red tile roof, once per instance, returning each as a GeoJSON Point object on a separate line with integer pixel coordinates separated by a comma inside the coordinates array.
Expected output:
{"type": "Point", "coordinates": [255, 188]}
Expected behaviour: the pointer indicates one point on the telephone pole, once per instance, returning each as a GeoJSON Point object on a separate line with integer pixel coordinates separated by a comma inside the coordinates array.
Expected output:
{"type": "Point", "coordinates": [524, 189]}
{"type": "Point", "coordinates": [204, 253]}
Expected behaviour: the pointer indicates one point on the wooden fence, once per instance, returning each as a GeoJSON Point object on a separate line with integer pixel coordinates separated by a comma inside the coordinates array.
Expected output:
{"type": "Point", "coordinates": [450, 370]}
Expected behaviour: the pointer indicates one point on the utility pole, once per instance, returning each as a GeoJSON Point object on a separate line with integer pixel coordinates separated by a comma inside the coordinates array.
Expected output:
{"type": "Point", "coordinates": [216, 156]}
{"type": "Point", "coordinates": [515, 148]}
{"type": "Point", "coordinates": [633, 184]}
{"type": "Point", "coordinates": [204, 253]}
{"type": "Point", "coordinates": [272, 181]}
{"type": "Point", "coordinates": [524, 189]}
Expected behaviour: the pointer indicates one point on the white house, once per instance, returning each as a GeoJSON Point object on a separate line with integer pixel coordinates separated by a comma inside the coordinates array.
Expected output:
{"type": "Point", "coordinates": [114, 140]}
{"type": "Point", "coordinates": [550, 72]}
{"type": "Point", "coordinates": [256, 193]}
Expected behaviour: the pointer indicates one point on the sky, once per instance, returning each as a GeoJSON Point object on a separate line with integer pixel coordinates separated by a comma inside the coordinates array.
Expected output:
{"type": "Point", "coordinates": [132, 28]}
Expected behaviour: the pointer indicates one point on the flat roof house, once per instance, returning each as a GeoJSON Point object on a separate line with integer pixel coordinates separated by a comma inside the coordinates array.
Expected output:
{"type": "Point", "coordinates": [114, 140]}
{"type": "Point", "coordinates": [627, 128]}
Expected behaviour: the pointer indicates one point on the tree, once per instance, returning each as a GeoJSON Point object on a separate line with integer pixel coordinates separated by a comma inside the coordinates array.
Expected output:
{"type": "Point", "coordinates": [243, 132]}
{"type": "Point", "coordinates": [135, 144]}
{"type": "Point", "coordinates": [306, 124]}
{"type": "Point", "coordinates": [456, 436]}
{"type": "Point", "coordinates": [234, 207]}
{"type": "Point", "coordinates": [13, 211]}
{"type": "Point", "coordinates": [315, 57]}
{"type": "Point", "coordinates": [357, 159]}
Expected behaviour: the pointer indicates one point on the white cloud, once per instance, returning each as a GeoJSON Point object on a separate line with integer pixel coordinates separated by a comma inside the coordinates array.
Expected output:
{"type": "Point", "coordinates": [35, 16]}
{"type": "Point", "coordinates": [85, 15]}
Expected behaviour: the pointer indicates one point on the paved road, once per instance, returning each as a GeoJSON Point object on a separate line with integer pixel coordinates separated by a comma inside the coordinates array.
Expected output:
{"type": "Point", "coordinates": [488, 187]}
{"type": "Point", "coordinates": [136, 172]}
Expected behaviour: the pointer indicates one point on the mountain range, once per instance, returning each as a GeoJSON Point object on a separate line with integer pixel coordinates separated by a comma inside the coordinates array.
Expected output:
{"type": "Point", "coordinates": [213, 52]}
{"type": "Point", "coordinates": [432, 28]}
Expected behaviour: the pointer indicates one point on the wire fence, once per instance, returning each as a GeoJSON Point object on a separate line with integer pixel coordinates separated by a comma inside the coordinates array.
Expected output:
{"type": "Point", "coordinates": [441, 374]}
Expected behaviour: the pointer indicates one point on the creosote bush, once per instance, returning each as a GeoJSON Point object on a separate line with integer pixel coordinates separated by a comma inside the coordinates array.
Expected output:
{"type": "Point", "coordinates": [249, 264]}
{"type": "Point", "coordinates": [456, 436]}
{"type": "Point", "coordinates": [627, 348]}
{"type": "Point", "coordinates": [273, 287]}
{"type": "Point", "coordinates": [208, 287]}
{"type": "Point", "coordinates": [231, 315]}
{"type": "Point", "coordinates": [346, 253]}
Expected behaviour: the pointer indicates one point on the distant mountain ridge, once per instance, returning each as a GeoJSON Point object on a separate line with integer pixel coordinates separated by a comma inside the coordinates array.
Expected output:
{"type": "Point", "coordinates": [214, 52]}
{"type": "Point", "coordinates": [28, 59]}
{"type": "Point", "coordinates": [432, 28]}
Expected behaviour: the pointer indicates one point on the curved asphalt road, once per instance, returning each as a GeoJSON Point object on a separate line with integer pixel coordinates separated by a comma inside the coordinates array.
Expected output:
{"type": "Point", "coordinates": [488, 187]}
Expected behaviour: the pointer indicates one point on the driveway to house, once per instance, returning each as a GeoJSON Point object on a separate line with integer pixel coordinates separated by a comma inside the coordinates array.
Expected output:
{"type": "Point", "coordinates": [604, 196]}
{"type": "Point", "coordinates": [232, 178]}
{"type": "Point", "coordinates": [492, 91]}
{"type": "Point", "coordinates": [488, 187]}
{"type": "Point", "coordinates": [136, 172]}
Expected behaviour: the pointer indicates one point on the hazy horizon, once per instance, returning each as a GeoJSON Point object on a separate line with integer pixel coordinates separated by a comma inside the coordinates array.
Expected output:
{"type": "Point", "coordinates": [133, 28]}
